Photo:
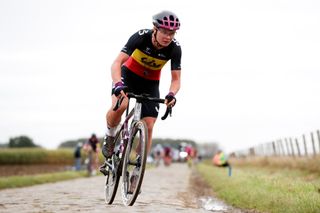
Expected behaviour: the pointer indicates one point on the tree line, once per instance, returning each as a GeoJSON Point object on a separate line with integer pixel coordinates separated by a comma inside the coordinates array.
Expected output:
{"type": "Point", "coordinates": [206, 150]}
{"type": "Point", "coordinates": [20, 142]}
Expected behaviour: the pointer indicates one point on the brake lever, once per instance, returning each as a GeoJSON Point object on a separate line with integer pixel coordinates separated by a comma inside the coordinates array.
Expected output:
{"type": "Point", "coordinates": [168, 112]}
{"type": "Point", "coordinates": [118, 104]}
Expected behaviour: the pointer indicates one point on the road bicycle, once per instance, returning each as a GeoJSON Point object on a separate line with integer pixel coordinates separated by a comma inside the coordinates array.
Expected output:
{"type": "Point", "coordinates": [130, 152]}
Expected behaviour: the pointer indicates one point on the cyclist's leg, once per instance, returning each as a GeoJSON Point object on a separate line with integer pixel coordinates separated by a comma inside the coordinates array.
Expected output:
{"type": "Point", "coordinates": [113, 118]}
{"type": "Point", "coordinates": [150, 121]}
{"type": "Point", "coordinates": [150, 110]}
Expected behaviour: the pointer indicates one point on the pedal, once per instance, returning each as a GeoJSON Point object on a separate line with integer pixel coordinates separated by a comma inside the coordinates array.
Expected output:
{"type": "Point", "coordinates": [103, 170]}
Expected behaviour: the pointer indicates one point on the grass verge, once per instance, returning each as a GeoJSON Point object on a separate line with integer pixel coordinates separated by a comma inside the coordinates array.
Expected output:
{"type": "Point", "coordinates": [265, 189]}
{"type": "Point", "coordinates": [308, 164]}
{"type": "Point", "coordinates": [30, 180]}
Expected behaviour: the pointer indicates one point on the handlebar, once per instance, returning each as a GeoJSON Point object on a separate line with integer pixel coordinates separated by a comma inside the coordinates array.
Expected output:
{"type": "Point", "coordinates": [139, 98]}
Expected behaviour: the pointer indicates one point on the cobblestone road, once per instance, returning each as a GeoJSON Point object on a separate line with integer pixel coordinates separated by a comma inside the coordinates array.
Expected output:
{"type": "Point", "coordinates": [165, 190]}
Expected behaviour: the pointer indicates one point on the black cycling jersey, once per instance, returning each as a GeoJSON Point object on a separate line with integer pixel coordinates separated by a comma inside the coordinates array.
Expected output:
{"type": "Point", "coordinates": [147, 61]}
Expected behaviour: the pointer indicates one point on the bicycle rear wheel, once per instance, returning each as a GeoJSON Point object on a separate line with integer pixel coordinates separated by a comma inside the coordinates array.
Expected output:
{"type": "Point", "coordinates": [134, 163]}
{"type": "Point", "coordinates": [113, 173]}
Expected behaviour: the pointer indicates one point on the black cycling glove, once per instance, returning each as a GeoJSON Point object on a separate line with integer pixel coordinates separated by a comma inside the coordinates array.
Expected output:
{"type": "Point", "coordinates": [171, 97]}
{"type": "Point", "coordinates": [118, 87]}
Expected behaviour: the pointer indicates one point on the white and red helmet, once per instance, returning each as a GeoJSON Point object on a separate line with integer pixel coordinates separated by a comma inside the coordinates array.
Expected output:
{"type": "Point", "coordinates": [167, 20]}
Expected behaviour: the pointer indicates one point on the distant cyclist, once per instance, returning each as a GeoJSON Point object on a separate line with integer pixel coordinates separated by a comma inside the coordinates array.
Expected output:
{"type": "Point", "coordinates": [92, 148]}
{"type": "Point", "coordinates": [137, 69]}
{"type": "Point", "coordinates": [167, 155]}
{"type": "Point", "coordinates": [157, 153]}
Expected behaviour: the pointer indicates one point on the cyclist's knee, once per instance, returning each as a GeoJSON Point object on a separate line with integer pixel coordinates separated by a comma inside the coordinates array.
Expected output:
{"type": "Point", "coordinates": [150, 121]}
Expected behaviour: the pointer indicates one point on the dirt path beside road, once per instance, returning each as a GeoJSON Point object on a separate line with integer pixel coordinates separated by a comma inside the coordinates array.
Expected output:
{"type": "Point", "coordinates": [164, 189]}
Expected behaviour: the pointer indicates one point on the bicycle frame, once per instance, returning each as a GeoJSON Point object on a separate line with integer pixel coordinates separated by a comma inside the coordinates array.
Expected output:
{"type": "Point", "coordinates": [125, 133]}
{"type": "Point", "coordinates": [136, 114]}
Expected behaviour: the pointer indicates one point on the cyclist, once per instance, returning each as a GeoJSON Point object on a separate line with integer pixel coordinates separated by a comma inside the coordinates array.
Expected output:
{"type": "Point", "coordinates": [137, 69]}
{"type": "Point", "coordinates": [167, 155]}
{"type": "Point", "coordinates": [157, 154]}
{"type": "Point", "coordinates": [92, 148]}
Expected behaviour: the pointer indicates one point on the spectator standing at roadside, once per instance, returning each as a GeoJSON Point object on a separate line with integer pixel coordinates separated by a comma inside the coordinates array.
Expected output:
{"type": "Point", "coordinates": [77, 156]}
{"type": "Point", "coordinates": [220, 160]}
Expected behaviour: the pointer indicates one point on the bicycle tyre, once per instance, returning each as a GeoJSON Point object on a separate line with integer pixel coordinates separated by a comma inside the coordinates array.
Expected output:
{"type": "Point", "coordinates": [139, 136]}
{"type": "Point", "coordinates": [113, 176]}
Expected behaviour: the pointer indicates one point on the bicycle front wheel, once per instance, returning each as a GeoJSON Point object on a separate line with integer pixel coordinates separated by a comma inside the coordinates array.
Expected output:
{"type": "Point", "coordinates": [134, 163]}
{"type": "Point", "coordinates": [113, 173]}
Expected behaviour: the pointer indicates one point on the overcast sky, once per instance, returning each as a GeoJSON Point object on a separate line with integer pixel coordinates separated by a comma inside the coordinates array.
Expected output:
{"type": "Point", "coordinates": [250, 69]}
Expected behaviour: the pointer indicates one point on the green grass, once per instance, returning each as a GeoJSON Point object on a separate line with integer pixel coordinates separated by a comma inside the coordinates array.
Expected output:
{"type": "Point", "coordinates": [30, 180]}
{"type": "Point", "coordinates": [265, 190]}
{"type": "Point", "coordinates": [35, 156]}
{"type": "Point", "coordinates": [308, 164]}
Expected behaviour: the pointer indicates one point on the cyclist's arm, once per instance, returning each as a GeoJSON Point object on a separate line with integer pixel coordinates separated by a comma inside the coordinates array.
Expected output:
{"type": "Point", "coordinates": [116, 66]}
{"type": "Point", "coordinates": [134, 41]}
{"type": "Point", "coordinates": [175, 81]}
{"type": "Point", "coordinates": [175, 68]}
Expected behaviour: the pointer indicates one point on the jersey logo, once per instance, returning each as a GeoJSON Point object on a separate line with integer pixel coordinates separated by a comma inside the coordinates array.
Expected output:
{"type": "Point", "coordinates": [141, 32]}
{"type": "Point", "coordinates": [151, 63]}
{"type": "Point", "coordinates": [148, 50]}
{"type": "Point", "coordinates": [176, 42]}
{"type": "Point", "coordinates": [147, 61]}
